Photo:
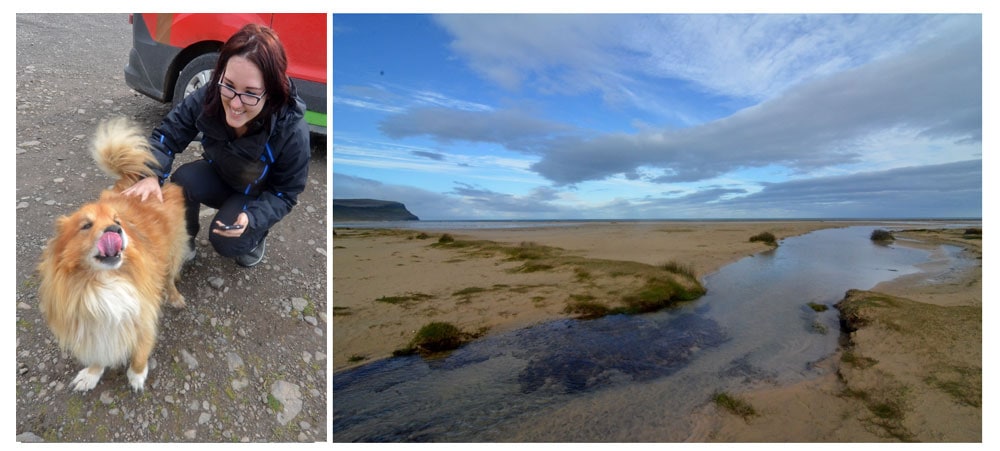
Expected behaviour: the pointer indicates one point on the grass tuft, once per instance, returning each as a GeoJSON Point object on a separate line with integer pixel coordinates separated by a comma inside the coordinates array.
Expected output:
{"type": "Point", "coordinates": [446, 238]}
{"type": "Point", "coordinates": [765, 237]}
{"type": "Point", "coordinates": [882, 236]}
{"type": "Point", "coordinates": [679, 268]}
{"type": "Point", "coordinates": [469, 291]}
{"type": "Point", "coordinates": [818, 307]}
{"type": "Point", "coordinates": [397, 300]}
{"type": "Point", "coordinates": [734, 405]}
{"type": "Point", "coordinates": [438, 337]}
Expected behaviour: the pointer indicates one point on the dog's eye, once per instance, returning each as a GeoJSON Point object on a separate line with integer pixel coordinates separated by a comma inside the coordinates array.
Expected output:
{"type": "Point", "coordinates": [87, 226]}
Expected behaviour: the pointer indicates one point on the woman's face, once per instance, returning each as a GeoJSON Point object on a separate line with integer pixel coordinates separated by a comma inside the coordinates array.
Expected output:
{"type": "Point", "coordinates": [243, 77]}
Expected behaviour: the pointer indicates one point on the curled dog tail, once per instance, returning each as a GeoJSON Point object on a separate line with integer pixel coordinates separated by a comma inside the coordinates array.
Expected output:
{"type": "Point", "coordinates": [121, 150]}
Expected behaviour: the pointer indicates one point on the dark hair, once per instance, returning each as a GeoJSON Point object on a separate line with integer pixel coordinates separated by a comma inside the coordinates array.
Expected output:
{"type": "Point", "coordinates": [261, 46]}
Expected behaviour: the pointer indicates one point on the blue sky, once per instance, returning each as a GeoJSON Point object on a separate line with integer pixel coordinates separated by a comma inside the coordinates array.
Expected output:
{"type": "Point", "coordinates": [618, 116]}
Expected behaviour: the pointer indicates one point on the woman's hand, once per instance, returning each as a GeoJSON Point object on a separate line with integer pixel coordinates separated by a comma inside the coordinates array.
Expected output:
{"type": "Point", "coordinates": [234, 230]}
{"type": "Point", "coordinates": [149, 186]}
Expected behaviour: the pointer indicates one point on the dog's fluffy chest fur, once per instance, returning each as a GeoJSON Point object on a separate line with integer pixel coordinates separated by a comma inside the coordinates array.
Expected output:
{"type": "Point", "coordinates": [106, 334]}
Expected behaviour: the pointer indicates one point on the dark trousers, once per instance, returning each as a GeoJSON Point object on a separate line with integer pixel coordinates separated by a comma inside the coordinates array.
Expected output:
{"type": "Point", "coordinates": [202, 185]}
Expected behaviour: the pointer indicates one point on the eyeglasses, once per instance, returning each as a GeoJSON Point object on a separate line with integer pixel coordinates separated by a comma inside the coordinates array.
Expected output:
{"type": "Point", "coordinates": [245, 97]}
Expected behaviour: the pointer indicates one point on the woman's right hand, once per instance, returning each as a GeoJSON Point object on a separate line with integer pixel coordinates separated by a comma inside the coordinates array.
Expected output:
{"type": "Point", "coordinates": [145, 188]}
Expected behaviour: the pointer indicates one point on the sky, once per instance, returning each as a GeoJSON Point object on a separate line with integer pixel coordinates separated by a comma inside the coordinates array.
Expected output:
{"type": "Point", "coordinates": [660, 116]}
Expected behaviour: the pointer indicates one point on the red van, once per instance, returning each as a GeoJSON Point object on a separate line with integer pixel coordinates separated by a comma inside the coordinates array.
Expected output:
{"type": "Point", "coordinates": [174, 54]}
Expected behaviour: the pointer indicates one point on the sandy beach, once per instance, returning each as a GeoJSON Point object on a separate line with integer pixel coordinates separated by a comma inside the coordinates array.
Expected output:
{"type": "Point", "coordinates": [387, 284]}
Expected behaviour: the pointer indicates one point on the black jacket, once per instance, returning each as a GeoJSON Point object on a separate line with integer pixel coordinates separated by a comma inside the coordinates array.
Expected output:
{"type": "Point", "coordinates": [269, 164]}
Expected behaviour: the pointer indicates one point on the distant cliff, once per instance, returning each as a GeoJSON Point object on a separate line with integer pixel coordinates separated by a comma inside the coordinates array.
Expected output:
{"type": "Point", "coordinates": [370, 210]}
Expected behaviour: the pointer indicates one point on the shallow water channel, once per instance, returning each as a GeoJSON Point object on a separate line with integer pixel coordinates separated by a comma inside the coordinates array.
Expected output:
{"type": "Point", "coordinates": [626, 378]}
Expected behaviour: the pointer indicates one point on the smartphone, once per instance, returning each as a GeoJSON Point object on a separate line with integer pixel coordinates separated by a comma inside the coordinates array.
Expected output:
{"type": "Point", "coordinates": [231, 227]}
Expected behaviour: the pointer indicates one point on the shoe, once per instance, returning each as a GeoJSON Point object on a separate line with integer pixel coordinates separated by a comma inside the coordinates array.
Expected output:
{"type": "Point", "coordinates": [253, 257]}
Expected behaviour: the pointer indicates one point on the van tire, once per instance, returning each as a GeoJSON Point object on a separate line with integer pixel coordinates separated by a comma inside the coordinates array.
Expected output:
{"type": "Point", "coordinates": [195, 74]}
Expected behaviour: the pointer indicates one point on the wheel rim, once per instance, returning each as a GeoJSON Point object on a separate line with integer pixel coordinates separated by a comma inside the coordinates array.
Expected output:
{"type": "Point", "coordinates": [200, 79]}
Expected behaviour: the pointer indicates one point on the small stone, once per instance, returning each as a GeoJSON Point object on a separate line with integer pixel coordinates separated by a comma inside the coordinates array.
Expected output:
{"type": "Point", "coordinates": [290, 398]}
{"type": "Point", "coordinates": [234, 361]}
{"type": "Point", "coordinates": [189, 359]}
{"type": "Point", "coordinates": [29, 437]}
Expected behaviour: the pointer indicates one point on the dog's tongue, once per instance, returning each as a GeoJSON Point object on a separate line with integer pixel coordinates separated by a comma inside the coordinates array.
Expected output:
{"type": "Point", "coordinates": [110, 244]}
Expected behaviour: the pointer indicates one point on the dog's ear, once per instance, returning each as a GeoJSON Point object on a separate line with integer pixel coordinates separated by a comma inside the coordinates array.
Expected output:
{"type": "Point", "coordinates": [61, 221]}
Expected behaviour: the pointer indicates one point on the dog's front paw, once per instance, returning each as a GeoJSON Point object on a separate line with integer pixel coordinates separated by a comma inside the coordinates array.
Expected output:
{"type": "Point", "coordinates": [177, 301]}
{"type": "Point", "coordinates": [137, 380]}
{"type": "Point", "coordinates": [87, 378]}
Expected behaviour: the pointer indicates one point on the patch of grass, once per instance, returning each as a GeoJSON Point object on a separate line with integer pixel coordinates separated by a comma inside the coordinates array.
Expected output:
{"type": "Point", "coordinates": [522, 289]}
{"type": "Point", "coordinates": [528, 250]}
{"type": "Point", "coordinates": [587, 309]}
{"type": "Point", "coordinates": [341, 311]}
{"type": "Point", "coordinates": [819, 328]}
{"type": "Point", "coordinates": [658, 294]}
{"type": "Point", "coordinates": [230, 392]}
{"type": "Point", "coordinates": [734, 405]}
{"type": "Point", "coordinates": [765, 237]}
{"type": "Point", "coordinates": [468, 292]}
{"type": "Point", "coordinates": [423, 236]}
{"type": "Point", "coordinates": [964, 384]}
{"type": "Point", "coordinates": [882, 236]}
{"type": "Point", "coordinates": [679, 268]}
{"type": "Point", "coordinates": [446, 238]}
{"type": "Point", "coordinates": [582, 274]}
{"type": "Point", "coordinates": [356, 358]}
{"type": "Point", "coordinates": [858, 361]}
{"type": "Point", "coordinates": [530, 267]}
{"type": "Point", "coordinates": [309, 310]}
{"type": "Point", "coordinates": [658, 286]}
{"type": "Point", "coordinates": [397, 300]}
{"type": "Point", "coordinates": [888, 408]}
{"type": "Point", "coordinates": [973, 231]}
{"type": "Point", "coordinates": [818, 307]}
{"type": "Point", "coordinates": [855, 308]}
{"type": "Point", "coordinates": [274, 404]}
{"type": "Point", "coordinates": [438, 337]}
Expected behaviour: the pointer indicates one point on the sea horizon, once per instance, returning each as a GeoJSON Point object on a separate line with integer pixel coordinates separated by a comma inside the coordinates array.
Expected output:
{"type": "Point", "coordinates": [522, 223]}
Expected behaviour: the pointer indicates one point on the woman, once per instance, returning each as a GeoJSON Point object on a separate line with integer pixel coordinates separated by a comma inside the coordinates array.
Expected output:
{"type": "Point", "coordinates": [256, 146]}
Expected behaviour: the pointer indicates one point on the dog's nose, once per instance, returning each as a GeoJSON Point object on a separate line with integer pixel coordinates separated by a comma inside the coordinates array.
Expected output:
{"type": "Point", "coordinates": [113, 228]}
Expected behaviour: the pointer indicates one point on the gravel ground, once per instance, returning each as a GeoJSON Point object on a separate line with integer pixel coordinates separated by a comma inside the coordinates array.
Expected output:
{"type": "Point", "coordinates": [246, 360]}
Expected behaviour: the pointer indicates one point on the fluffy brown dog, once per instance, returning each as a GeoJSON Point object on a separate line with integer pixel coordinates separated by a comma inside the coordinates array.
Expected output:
{"type": "Point", "coordinates": [104, 273]}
